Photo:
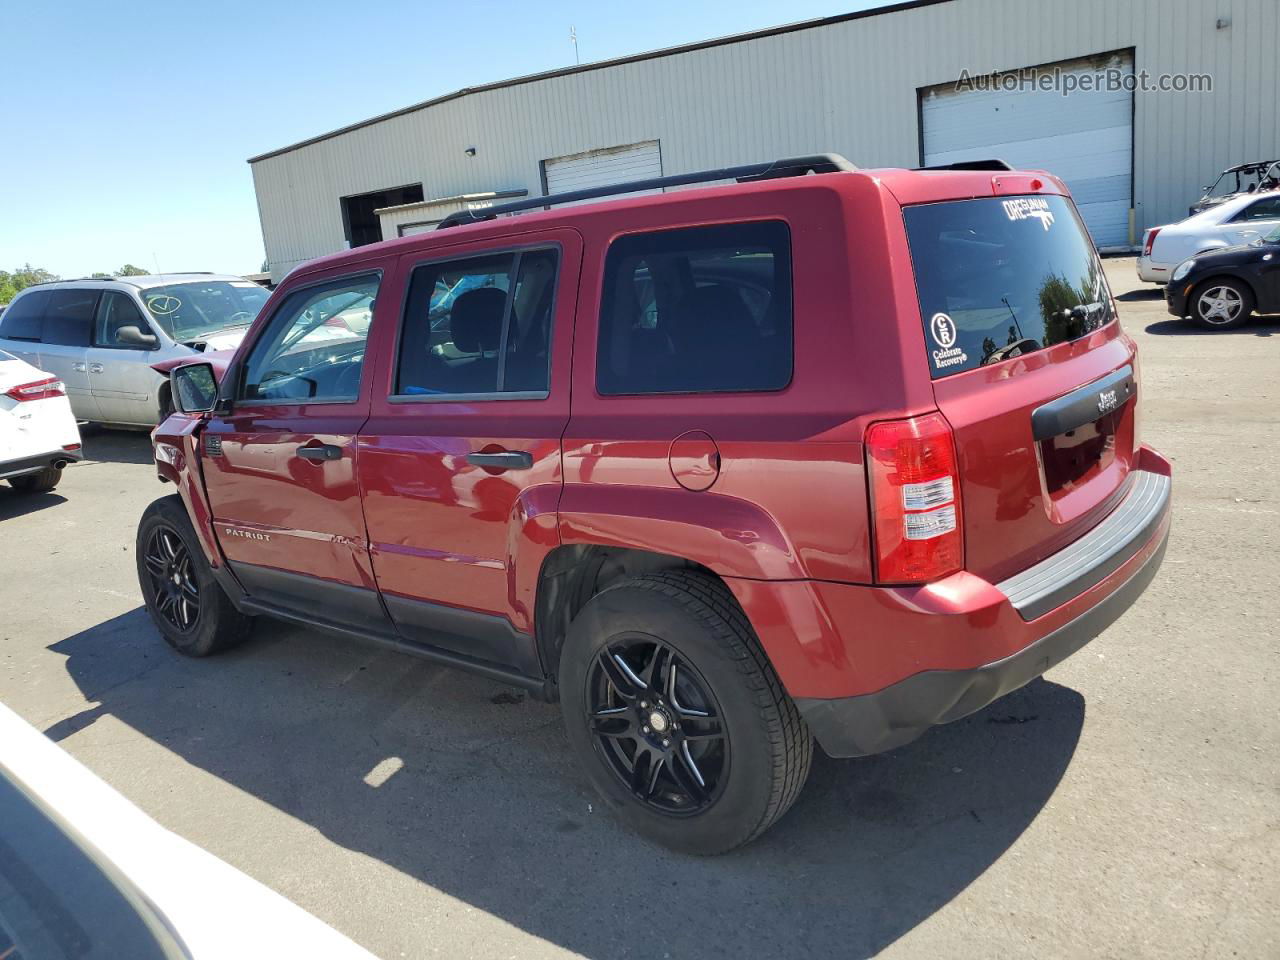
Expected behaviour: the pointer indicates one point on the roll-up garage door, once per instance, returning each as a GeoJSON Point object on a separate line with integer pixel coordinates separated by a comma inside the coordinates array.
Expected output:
{"type": "Point", "coordinates": [600, 168]}
{"type": "Point", "coordinates": [1084, 137]}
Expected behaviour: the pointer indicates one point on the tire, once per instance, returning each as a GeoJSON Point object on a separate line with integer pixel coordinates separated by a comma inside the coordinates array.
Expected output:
{"type": "Point", "coordinates": [709, 793]}
{"type": "Point", "coordinates": [190, 610]}
{"type": "Point", "coordinates": [41, 482]}
{"type": "Point", "coordinates": [1232, 298]}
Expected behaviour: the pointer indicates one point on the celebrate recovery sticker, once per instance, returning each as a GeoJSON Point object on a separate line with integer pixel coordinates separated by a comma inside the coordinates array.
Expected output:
{"type": "Point", "coordinates": [943, 329]}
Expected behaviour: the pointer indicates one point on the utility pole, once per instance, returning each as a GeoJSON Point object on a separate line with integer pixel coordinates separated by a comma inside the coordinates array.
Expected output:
{"type": "Point", "coordinates": [573, 38]}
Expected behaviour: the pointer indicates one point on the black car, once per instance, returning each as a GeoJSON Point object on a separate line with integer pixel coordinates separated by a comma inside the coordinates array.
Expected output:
{"type": "Point", "coordinates": [1221, 288]}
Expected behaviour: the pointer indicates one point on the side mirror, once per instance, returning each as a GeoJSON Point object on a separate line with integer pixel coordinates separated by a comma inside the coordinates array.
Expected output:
{"type": "Point", "coordinates": [132, 336]}
{"type": "Point", "coordinates": [193, 387]}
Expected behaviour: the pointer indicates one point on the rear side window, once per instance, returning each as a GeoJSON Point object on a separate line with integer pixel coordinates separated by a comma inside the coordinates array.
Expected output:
{"type": "Point", "coordinates": [697, 310]}
{"type": "Point", "coordinates": [1002, 277]}
{"type": "Point", "coordinates": [22, 318]}
{"type": "Point", "coordinates": [69, 317]}
{"type": "Point", "coordinates": [479, 326]}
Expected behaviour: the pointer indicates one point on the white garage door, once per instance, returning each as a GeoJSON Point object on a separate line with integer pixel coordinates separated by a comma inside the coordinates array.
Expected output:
{"type": "Point", "coordinates": [1086, 137]}
{"type": "Point", "coordinates": [600, 168]}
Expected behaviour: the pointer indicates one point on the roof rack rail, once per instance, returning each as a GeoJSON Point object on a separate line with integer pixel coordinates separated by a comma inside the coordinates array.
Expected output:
{"type": "Point", "coordinates": [991, 164]}
{"type": "Point", "coordinates": [788, 167]}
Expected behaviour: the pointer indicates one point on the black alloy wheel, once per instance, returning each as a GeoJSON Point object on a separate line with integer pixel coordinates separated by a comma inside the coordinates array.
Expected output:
{"type": "Point", "coordinates": [657, 725]}
{"type": "Point", "coordinates": [176, 596]}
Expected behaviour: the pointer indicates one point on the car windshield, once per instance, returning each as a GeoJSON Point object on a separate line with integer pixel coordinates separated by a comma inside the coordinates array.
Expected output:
{"type": "Point", "coordinates": [189, 311]}
{"type": "Point", "coordinates": [1002, 277]}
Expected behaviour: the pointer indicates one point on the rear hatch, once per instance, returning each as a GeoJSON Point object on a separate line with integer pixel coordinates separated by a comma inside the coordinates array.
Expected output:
{"type": "Point", "coordinates": [1028, 367]}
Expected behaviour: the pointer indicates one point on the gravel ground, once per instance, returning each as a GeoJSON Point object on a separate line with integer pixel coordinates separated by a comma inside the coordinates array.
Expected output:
{"type": "Point", "coordinates": [1123, 806]}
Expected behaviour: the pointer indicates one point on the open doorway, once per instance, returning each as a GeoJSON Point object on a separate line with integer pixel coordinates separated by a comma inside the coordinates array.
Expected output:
{"type": "Point", "coordinates": [359, 222]}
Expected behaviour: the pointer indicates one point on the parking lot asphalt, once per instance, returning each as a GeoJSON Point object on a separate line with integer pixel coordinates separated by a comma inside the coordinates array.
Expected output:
{"type": "Point", "coordinates": [1126, 805]}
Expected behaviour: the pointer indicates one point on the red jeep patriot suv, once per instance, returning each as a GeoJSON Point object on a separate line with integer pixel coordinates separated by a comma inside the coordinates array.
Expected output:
{"type": "Point", "coordinates": [834, 456]}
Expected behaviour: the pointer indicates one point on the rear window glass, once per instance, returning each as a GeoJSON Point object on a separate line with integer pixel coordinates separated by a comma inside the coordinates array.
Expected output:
{"type": "Point", "coordinates": [697, 310]}
{"type": "Point", "coordinates": [1001, 277]}
{"type": "Point", "coordinates": [21, 319]}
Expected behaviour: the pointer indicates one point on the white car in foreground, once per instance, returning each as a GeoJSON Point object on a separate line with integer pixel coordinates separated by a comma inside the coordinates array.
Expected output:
{"type": "Point", "coordinates": [1239, 220]}
{"type": "Point", "coordinates": [85, 873]}
{"type": "Point", "coordinates": [38, 433]}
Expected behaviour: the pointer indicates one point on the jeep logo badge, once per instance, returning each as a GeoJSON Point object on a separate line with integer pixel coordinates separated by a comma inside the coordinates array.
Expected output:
{"type": "Point", "coordinates": [1107, 401]}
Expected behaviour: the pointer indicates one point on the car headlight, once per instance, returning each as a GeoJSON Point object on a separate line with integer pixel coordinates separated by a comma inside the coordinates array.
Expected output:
{"type": "Point", "coordinates": [1183, 269]}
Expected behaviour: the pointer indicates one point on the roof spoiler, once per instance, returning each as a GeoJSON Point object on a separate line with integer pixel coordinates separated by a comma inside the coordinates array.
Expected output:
{"type": "Point", "coordinates": [971, 165]}
{"type": "Point", "coordinates": [774, 169]}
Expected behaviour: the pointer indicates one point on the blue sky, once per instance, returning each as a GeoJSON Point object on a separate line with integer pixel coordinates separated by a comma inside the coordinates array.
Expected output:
{"type": "Point", "coordinates": [128, 124]}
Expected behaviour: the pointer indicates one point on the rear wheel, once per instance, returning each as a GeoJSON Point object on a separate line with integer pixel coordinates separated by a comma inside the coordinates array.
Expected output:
{"type": "Point", "coordinates": [1221, 303]}
{"type": "Point", "coordinates": [678, 717]}
{"type": "Point", "coordinates": [41, 482]}
{"type": "Point", "coordinates": [190, 610]}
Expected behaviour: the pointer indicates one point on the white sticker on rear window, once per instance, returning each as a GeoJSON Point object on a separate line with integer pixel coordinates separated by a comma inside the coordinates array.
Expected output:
{"type": "Point", "coordinates": [1025, 208]}
{"type": "Point", "coordinates": [943, 329]}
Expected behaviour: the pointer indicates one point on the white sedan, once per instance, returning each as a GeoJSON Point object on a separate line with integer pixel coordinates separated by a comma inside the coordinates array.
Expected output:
{"type": "Point", "coordinates": [1237, 221]}
{"type": "Point", "coordinates": [38, 433]}
{"type": "Point", "coordinates": [85, 873]}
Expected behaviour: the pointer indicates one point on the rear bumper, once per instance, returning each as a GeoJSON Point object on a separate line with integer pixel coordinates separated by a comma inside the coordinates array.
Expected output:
{"type": "Point", "coordinates": [25, 465]}
{"type": "Point", "coordinates": [1153, 272]}
{"type": "Point", "coordinates": [872, 668]}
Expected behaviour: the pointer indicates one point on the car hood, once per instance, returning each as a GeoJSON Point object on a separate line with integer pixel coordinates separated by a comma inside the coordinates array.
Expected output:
{"type": "Point", "coordinates": [227, 339]}
{"type": "Point", "coordinates": [1233, 256]}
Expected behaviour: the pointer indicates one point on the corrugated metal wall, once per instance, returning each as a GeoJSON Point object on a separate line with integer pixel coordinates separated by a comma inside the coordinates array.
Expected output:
{"type": "Point", "coordinates": [848, 87]}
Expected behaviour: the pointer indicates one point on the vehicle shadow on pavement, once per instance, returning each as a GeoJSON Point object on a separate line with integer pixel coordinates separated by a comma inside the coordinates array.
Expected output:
{"type": "Point", "coordinates": [16, 504]}
{"type": "Point", "coordinates": [1257, 327]}
{"type": "Point", "coordinates": [488, 807]}
{"type": "Point", "coordinates": [1141, 293]}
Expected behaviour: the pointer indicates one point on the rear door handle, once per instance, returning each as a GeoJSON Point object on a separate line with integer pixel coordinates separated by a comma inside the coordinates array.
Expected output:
{"type": "Point", "coordinates": [505, 460]}
{"type": "Point", "coordinates": [95, 368]}
{"type": "Point", "coordinates": [79, 367]}
{"type": "Point", "coordinates": [322, 451]}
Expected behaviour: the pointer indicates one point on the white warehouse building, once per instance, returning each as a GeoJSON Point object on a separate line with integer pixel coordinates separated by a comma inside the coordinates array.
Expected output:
{"type": "Point", "coordinates": [1188, 87]}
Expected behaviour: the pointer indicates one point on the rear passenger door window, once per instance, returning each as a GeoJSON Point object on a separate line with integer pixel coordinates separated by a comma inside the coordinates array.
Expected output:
{"type": "Point", "coordinates": [697, 310]}
{"type": "Point", "coordinates": [68, 318]}
{"type": "Point", "coordinates": [479, 327]}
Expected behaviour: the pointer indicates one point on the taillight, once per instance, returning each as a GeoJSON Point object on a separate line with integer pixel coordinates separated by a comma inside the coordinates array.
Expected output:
{"type": "Point", "coordinates": [1149, 241]}
{"type": "Point", "coordinates": [915, 499]}
{"type": "Point", "coordinates": [37, 390]}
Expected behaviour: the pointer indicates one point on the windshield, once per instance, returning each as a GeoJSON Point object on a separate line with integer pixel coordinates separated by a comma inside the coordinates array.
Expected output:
{"type": "Point", "coordinates": [189, 311]}
{"type": "Point", "coordinates": [1002, 277]}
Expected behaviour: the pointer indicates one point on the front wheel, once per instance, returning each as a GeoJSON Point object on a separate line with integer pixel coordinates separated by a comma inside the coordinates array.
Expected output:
{"type": "Point", "coordinates": [1221, 303]}
{"type": "Point", "coordinates": [678, 717]}
{"type": "Point", "coordinates": [190, 610]}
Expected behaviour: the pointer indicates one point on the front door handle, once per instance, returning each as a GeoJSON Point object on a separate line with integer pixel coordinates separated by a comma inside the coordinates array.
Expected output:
{"type": "Point", "coordinates": [79, 367]}
{"type": "Point", "coordinates": [503, 460]}
{"type": "Point", "coordinates": [95, 368]}
{"type": "Point", "coordinates": [323, 451]}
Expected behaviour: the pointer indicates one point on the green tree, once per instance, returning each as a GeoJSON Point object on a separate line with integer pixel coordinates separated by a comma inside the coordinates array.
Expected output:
{"type": "Point", "coordinates": [129, 270]}
{"type": "Point", "coordinates": [12, 284]}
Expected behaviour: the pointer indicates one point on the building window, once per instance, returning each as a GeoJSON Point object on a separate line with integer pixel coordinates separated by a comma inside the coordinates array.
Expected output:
{"type": "Point", "coordinates": [361, 224]}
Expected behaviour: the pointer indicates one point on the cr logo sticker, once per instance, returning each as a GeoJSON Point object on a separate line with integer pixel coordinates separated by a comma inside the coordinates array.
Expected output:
{"type": "Point", "coordinates": [944, 330]}
{"type": "Point", "coordinates": [1107, 401]}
